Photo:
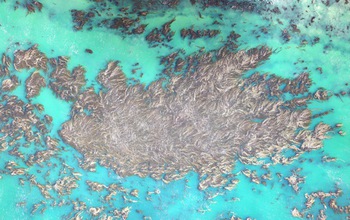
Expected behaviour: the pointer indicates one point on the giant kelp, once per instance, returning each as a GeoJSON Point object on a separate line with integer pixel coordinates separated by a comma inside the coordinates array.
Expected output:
{"type": "Point", "coordinates": [203, 121]}
{"type": "Point", "coordinates": [34, 162]}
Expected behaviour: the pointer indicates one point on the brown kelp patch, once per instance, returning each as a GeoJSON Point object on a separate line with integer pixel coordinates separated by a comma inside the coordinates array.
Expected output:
{"type": "Point", "coordinates": [10, 84]}
{"type": "Point", "coordinates": [64, 83]}
{"type": "Point", "coordinates": [30, 58]}
{"type": "Point", "coordinates": [34, 83]}
{"type": "Point", "coordinates": [204, 121]}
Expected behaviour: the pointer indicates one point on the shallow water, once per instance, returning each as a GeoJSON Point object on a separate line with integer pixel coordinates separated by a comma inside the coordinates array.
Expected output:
{"type": "Point", "coordinates": [52, 30]}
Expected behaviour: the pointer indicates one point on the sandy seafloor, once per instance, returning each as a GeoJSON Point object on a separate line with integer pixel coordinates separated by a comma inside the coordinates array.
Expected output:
{"type": "Point", "coordinates": [52, 30]}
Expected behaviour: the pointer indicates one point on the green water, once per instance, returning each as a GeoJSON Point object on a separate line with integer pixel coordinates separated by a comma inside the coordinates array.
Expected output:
{"type": "Point", "coordinates": [52, 30]}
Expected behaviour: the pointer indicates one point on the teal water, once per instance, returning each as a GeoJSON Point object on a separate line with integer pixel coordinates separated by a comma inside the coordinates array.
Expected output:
{"type": "Point", "coordinates": [52, 30]}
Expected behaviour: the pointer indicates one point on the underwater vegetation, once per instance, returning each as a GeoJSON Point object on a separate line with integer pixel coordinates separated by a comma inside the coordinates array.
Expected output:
{"type": "Point", "coordinates": [197, 109]}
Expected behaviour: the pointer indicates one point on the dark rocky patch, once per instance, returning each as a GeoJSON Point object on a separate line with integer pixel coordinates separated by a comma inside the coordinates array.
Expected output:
{"type": "Point", "coordinates": [80, 18]}
{"type": "Point", "coordinates": [123, 22]}
{"type": "Point", "coordinates": [89, 51]}
{"type": "Point", "coordinates": [164, 34]}
{"type": "Point", "coordinates": [194, 34]}
{"type": "Point", "coordinates": [140, 29]}
{"type": "Point", "coordinates": [233, 36]}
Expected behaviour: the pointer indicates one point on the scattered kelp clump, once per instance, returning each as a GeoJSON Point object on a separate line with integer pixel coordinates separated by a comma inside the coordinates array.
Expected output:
{"type": "Point", "coordinates": [227, 4]}
{"type": "Point", "coordinates": [8, 81]}
{"type": "Point", "coordinates": [131, 17]}
{"type": "Point", "coordinates": [33, 160]}
{"type": "Point", "coordinates": [328, 200]}
{"type": "Point", "coordinates": [120, 18]}
{"type": "Point", "coordinates": [203, 121]}
{"type": "Point", "coordinates": [66, 84]}
{"type": "Point", "coordinates": [19, 120]}
{"type": "Point", "coordinates": [31, 6]}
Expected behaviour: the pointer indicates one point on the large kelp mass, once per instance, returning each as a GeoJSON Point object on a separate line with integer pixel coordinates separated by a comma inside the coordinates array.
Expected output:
{"type": "Point", "coordinates": [172, 109]}
{"type": "Point", "coordinates": [202, 121]}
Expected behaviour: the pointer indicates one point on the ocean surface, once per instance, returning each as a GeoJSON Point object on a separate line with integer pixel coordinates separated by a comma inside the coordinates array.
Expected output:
{"type": "Point", "coordinates": [52, 30]}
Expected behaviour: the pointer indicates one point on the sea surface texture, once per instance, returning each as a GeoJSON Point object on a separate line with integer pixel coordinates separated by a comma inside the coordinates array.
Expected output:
{"type": "Point", "coordinates": [184, 109]}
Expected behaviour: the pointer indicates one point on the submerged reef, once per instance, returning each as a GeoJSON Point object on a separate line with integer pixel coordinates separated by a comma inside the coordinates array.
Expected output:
{"type": "Point", "coordinates": [204, 121]}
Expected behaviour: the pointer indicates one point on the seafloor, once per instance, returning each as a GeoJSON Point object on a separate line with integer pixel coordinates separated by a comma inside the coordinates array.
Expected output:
{"type": "Point", "coordinates": [192, 109]}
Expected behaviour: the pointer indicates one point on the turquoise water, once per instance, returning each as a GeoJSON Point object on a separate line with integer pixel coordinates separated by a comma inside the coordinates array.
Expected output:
{"type": "Point", "coordinates": [52, 30]}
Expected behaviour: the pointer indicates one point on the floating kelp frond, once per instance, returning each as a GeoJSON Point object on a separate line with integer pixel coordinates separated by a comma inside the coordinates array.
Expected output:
{"type": "Point", "coordinates": [202, 121]}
